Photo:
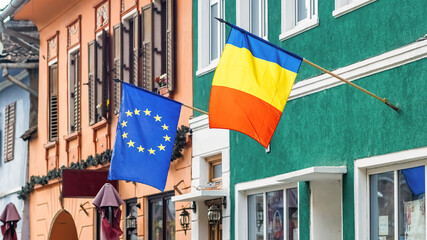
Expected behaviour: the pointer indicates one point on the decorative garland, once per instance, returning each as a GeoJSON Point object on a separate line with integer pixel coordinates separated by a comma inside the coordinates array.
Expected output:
{"type": "Point", "coordinates": [99, 159]}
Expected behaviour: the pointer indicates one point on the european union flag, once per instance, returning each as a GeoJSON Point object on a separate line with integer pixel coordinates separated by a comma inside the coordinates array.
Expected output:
{"type": "Point", "coordinates": [144, 138]}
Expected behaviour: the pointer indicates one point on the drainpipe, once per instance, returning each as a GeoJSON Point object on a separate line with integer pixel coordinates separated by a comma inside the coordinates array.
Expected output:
{"type": "Point", "coordinates": [20, 65]}
{"type": "Point", "coordinates": [10, 9]}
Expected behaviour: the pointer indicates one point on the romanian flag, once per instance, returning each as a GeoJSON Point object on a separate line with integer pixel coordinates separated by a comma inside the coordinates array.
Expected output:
{"type": "Point", "coordinates": [251, 85]}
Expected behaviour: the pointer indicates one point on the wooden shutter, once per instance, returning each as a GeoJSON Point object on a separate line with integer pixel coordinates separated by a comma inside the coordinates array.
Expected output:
{"type": "Point", "coordinates": [91, 81]}
{"type": "Point", "coordinates": [9, 131]}
{"type": "Point", "coordinates": [170, 45]}
{"type": "Point", "coordinates": [101, 88]}
{"type": "Point", "coordinates": [118, 36]}
{"type": "Point", "coordinates": [135, 43]}
{"type": "Point", "coordinates": [147, 47]}
{"type": "Point", "coordinates": [127, 50]}
{"type": "Point", "coordinates": [74, 92]}
{"type": "Point", "coordinates": [53, 102]}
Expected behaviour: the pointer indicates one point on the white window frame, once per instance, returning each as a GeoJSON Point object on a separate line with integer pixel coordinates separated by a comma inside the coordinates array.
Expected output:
{"type": "Point", "coordinates": [243, 190]}
{"type": "Point", "coordinates": [290, 26]}
{"type": "Point", "coordinates": [205, 64]}
{"type": "Point", "coordinates": [244, 16]}
{"type": "Point", "coordinates": [70, 52]}
{"type": "Point", "coordinates": [383, 163]}
{"type": "Point", "coordinates": [342, 7]}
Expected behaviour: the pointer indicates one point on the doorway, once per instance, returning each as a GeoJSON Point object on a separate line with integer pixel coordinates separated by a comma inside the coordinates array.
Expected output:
{"type": "Point", "coordinates": [63, 227]}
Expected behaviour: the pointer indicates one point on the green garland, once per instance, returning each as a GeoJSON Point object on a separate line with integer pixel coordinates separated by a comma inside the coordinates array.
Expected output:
{"type": "Point", "coordinates": [99, 159]}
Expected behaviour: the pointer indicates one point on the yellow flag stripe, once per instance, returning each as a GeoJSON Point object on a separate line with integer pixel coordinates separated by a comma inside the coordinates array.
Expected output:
{"type": "Point", "coordinates": [268, 81]}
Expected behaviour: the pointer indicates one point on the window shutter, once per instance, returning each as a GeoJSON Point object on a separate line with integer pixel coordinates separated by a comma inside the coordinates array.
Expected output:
{"type": "Point", "coordinates": [102, 92]}
{"type": "Point", "coordinates": [53, 102]}
{"type": "Point", "coordinates": [117, 30]}
{"type": "Point", "coordinates": [135, 43]}
{"type": "Point", "coordinates": [127, 48]}
{"type": "Point", "coordinates": [74, 92]}
{"type": "Point", "coordinates": [170, 45]}
{"type": "Point", "coordinates": [147, 47]}
{"type": "Point", "coordinates": [91, 82]}
{"type": "Point", "coordinates": [9, 132]}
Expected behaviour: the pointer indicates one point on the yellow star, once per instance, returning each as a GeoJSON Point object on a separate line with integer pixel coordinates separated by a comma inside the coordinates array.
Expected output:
{"type": "Point", "coordinates": [130, 143]}
{"type": "Point", "coordinates": [167, 138]}
{"type": "Point", "coordinates": [140, 149]}
{"type": "Point", "coordinates": [152, 151]}
{"type": "Point", "coordinates": [147, 112]}
{"type": "Point", "coordinates": [125, 135]}
{"type": "Point", "coordinates": [165, 127]}
{"type": "Point", "coordinates": [157, 118]}
{"type": "Point", "coordinates": [124, 123]}
{"type": "Point", "coordinates": [137, 111]}
{"type": "Point", "coordinates": [129, 113]}
{"type": "Point", "coordinates": [161, 147]}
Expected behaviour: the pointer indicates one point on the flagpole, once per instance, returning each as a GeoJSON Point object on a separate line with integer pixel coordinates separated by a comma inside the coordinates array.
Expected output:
{"type": "Point", "coordinates": [353, 85]}
{"type": "Point", "coordinates": [185, 105]}
{"type": "Point", "coordinates": [314, 65]}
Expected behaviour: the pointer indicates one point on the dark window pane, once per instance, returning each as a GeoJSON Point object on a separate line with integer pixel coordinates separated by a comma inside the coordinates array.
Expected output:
{"type": "Point", "coordinates": [255, 217]}
{"type": "Point", "coordinates": [292, 212]}
{"type": "Point", "coordinates": [382, 206]}
{"type": "Point", "coordinates": [412, 203]}
{"type": "Point", "coordinates": [275, 219]}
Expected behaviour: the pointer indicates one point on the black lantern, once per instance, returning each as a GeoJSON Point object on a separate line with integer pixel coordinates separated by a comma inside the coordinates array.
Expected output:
{"type": "Point", "coordinates": [184, 220]}
{"type": "Point", "coordinates": [214, 215]}
{"type": "Point", "coordinates": [259, 216]}
{"type": "Point", "coordinates": [130, 222]}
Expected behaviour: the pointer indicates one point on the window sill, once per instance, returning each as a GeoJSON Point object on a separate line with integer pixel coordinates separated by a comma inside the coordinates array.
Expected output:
{"type": "Point", "coordinates": [299, 29]}
{"type": "Point", "coordinates": [71, 136]}
{"type": "Point", "coordinates": [99, 124]}
{"type": "Point", "coordinates": [50, 145]}
{"type": "Point", "coordinates": [350, 7]}
{"type": "Point", "coordinates": [210, 68]}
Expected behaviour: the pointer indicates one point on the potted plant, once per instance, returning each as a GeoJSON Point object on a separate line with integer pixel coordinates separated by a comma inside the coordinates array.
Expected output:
{"type": "Point", "coordinates": [162, 82]}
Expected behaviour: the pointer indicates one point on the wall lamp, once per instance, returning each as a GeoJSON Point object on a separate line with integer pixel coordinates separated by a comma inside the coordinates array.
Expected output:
{"type": "Point", "coordinates": [184, 217]}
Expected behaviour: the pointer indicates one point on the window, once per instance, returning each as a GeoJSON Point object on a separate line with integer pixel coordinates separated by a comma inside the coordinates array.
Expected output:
{"type": "Point", "coordinates": [345, 6]}
{"type": "Point", "coordinates": [74, 91]}
{"type": "Point", "coordinates": [53, 102]}
{"type": "Point", "coordinates": [298, 16]}
{"type": "Point", "coordinates": [273, 215]}
{"type": "Point", "coordinates": [98, 77]}
{"type": "Point", "coordinates": [131, 209]}
{"type": "Point", "coordinates": [256, 21]}
{"type": "Point", "coordinates": [9, 131]}
{"type": "Point", "coordinates": [397, 203]}
{"type": "Point", "coordinates": [161, 217]}
{"type": "Point", "coordinates": [389, 193]}
{"type": "Point", "coordinates": [215, 168]}
{"type": "Point", "coordinates": [210, 35]}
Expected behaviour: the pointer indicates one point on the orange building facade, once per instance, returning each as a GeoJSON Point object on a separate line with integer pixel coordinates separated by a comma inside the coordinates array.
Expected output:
{"type": "Point", "coordinates": [84, 45]}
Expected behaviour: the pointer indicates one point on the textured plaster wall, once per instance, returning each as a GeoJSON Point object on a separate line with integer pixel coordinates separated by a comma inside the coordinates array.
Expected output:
{"type": "Point", "coordinates": [338, 125]}
{"type": "Point", "coordinates": [13, 173]}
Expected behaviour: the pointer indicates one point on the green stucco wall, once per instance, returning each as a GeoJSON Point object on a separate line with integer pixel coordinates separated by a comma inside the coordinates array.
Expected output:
{"type": "Point", "coordinates": [338, 125]}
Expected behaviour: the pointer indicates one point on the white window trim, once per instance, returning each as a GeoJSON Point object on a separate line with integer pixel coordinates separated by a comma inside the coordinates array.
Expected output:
{"type": "Point", "coordinates": [299, 27]}
{"type": "Point", "coordinates": [338, 12]}
{"type": "Point", "coordinates": [364, 167]}
{"type": "Point", "coordinates": [243, 190]}
{"type": "Point", "coordinates": [71, 51]}
{"type": "Point", "coordinates": [129, 15]}
{"type": "Point", "coordinates": [202, 67]}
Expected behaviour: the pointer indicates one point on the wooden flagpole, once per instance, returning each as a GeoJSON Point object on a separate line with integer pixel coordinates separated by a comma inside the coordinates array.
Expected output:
{"type": "Point", "coordinates": [353, 85]}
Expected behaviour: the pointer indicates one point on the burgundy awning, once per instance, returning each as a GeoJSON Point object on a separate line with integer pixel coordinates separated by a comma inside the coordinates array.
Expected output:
{"type": "Point", "coordinates": [83, 183]}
